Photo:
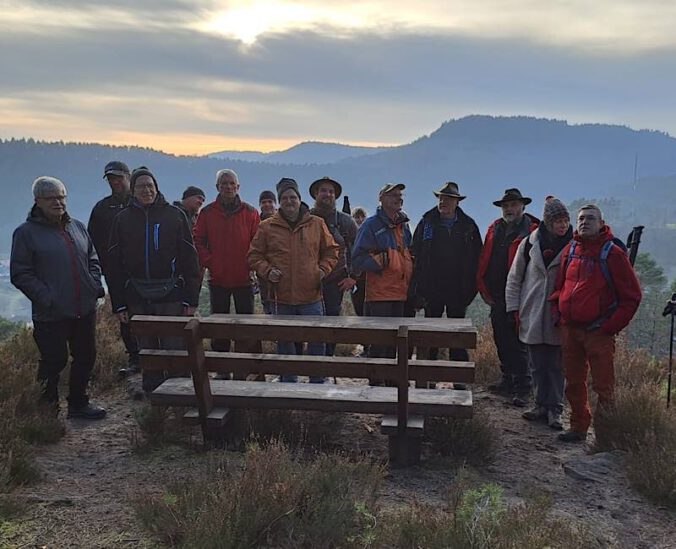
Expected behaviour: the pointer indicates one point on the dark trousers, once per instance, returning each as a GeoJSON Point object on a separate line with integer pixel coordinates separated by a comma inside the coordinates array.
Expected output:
{"type": "Point", "coordinates": [548, 376]}
{"type": "Point", "coordinates": [152, 380]}
{"type": "Point", "coordinates": [55, 341]}
{"type": "Point", "coordinates": [358, 297]}
{"type": "Point", "coordinates": [130, 343]}
{"type": "Point", "coordinates": [220, 303]}
{"type": "Point", "coordinates": [333, 300]}
{"type": "Point", "coordinates": [383, 308]}
{"type": "Point", "coordinates": [511, 352]}
{"type": "Point", "coordinates": [436, 310]}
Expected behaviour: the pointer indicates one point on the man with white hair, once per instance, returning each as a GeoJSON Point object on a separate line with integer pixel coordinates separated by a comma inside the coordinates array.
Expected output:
{"type": "Point", "coordinates": [223, 233]}
{"type": "Point", "coordinates": [55, 265]}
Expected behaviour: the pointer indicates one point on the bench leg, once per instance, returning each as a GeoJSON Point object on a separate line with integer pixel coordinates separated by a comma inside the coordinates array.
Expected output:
{"type": "Point", "coordinates": [404, 450]}
{"type": "Point", "coordinates": [214, 436]}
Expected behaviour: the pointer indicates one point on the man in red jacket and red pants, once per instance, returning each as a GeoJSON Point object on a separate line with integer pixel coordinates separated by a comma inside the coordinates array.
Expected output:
{"type": "Point", "coordinates": [223, 233]}
{"type": "Point", "coordinates": [597, 294]}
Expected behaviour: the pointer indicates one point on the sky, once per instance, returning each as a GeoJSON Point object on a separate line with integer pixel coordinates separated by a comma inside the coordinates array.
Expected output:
{"type": "Point", "coordinates": [193, 77]}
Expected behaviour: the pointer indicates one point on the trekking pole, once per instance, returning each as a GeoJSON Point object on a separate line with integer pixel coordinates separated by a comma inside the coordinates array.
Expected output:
{"type": "Point", "coordinates": [633, 242]}
{"type": "Point", "coordinates": [670, 309]}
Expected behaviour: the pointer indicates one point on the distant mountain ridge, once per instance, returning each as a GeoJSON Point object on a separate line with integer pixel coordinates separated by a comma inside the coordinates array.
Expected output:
{"type": "Point", "coordinates": [483, 154]}
{"type": "Point", "coordinates": [308, 152]}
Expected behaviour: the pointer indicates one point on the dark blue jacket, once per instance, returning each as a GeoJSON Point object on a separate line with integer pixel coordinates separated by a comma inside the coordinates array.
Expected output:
{"type": "Point", "coordinates": [56, 267]}
{"type": "Point", "coordinates": [382, 251]}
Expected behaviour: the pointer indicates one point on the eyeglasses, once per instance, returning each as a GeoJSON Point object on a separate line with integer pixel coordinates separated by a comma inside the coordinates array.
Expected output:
{"type": "Point", "coordinates": [55, 198]}
{"type": "Point", "coordinates": [144, 186]}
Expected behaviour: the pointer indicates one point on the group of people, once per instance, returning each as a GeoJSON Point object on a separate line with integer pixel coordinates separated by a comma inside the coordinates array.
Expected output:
{"type": "Point", "coordinates": [557, 296]}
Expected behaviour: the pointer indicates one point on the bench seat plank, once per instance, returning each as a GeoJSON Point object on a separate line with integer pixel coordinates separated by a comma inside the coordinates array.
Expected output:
{"type": "Point", "coordinates": [353, 367]}
{"type": "Point", "coordinates": [306, 396]}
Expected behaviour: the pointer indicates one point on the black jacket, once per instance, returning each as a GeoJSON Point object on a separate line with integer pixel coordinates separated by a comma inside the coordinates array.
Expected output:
{"type": "Point", "coordinates": [192, 218]}
{"type": "Point", "coordinates": [100, 223]}
{"type": "Point", "coordinates": [445, 262]}
{"type": "Point", "coordinates": [56, 267]}
{"type": "Point", "coordinates": [152, 243]}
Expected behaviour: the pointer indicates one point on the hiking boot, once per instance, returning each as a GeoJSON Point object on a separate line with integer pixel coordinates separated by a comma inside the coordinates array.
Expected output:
{"type": "Point", "coordinates": [88, 411]}
{"type": "Point", "coordinates": [131, 368]}
{"type": "Point", "coordinates": [502, 387]}
{"type": "Point", "coordinates": [460, 386]}
{"type": "Point", "coordinates": [554, 420]}
{"type": "Point", "coordinates": [572, 436]}
{"type": "Point", "coordinates": [537, 413]}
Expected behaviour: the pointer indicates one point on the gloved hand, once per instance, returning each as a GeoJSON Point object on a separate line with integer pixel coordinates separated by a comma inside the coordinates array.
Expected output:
{"type": "Point", "coordinates": [513, 319]}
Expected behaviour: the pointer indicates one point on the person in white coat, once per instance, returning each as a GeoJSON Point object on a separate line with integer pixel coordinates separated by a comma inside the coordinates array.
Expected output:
{"type": "Point", "coordinates": [530, 282]}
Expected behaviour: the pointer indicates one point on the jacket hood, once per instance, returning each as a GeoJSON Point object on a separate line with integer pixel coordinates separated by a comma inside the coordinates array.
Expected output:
{"type": "Point", "coordinates": [36, 216]}
{"type": "Point", "coordinates": [402, 217]}
{"type": "Point", "coordinates": [604, 235]}
{"type": "Point", "coordinates": [159, 201]}
{"type": "Point", "coordinates": [533, 220]}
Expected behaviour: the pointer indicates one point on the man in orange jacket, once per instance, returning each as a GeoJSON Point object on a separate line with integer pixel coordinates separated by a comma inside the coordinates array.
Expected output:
{"type": "Point", "coordinates": [597, 294]}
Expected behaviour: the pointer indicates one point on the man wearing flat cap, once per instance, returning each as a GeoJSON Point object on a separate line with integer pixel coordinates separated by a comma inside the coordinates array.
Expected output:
{"type": "Point", "coordinates": [502, 240]}
{"type": "Point", "coordinates": [342, 227]}
{"type": "Point", "coordinates": [294, 251]}
{"type": "Point", "coordinates": [191, 203]}
{"type": "Point", "coordinates": [100, 222]}
{"type": "Point", "coordinates": [446, 248]}
{"type": "Point", "coordinates": [382, 251]}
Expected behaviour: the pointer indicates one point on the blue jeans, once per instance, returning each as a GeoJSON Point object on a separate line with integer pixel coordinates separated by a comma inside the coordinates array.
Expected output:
{"type": "Point", "coordinates": [314, 348]}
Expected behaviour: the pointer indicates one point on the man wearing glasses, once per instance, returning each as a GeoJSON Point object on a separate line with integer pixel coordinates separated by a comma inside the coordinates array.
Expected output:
{"type": "Point", "coordinates": [55, 265]}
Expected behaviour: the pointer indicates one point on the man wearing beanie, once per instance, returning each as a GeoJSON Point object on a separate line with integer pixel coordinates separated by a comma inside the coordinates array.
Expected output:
{"type": "Point", "coordinates": [154, 267]}
{"type": "Point", "coordinates": [267, 202]}
{"type": "Point", "coordinates": [190, 204]}
{"type": "Point", "coordinates": [502, 240]}
{"type": "Point", "coordinates": [294, 251]}
{"type": "Point", "coordinates": [530, 282]}
{"type": "Point", "coordinates": [223, 233]}
{"type": "Point", "coordinates": [100, 223]}
{"type": "Point", "coordinates": [596, 296]}
{"type": "Point", "coordinates": [343, 228]}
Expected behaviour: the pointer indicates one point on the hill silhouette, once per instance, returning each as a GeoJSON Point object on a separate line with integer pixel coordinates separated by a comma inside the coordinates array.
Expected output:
{"type": "Point", "coordinates": [484, 154]}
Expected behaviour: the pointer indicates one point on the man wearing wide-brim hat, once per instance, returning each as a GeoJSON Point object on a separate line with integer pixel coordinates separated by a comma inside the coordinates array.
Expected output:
{"type": "Point", "coordinates": [343, 228]}
{"type": "Point", "coordinates": [502, 240]}
{"type": "Point", "coordinates": [446, 248]}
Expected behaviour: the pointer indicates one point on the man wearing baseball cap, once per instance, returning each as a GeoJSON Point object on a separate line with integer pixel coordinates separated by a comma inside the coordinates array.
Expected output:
{"type": "Point", "coordinates": [100, 222]}
{"type": "Point", "coordinates": [382, 251]}
{"type": "Point", "coordinates": [502, 240]}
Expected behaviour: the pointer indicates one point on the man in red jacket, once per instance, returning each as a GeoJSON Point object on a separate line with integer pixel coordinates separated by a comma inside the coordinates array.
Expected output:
{"type": "Point", "coordinates": [223, 233]}
{"type": "Point", "coordinates": [502, 240]}
{"type": "Point", "coordinates": [597, 294]}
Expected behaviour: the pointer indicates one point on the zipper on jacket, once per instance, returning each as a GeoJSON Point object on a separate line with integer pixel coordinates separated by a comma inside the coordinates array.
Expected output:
{"type": "Point", "coordinates": [73, 266]}
{"type": "Point", "coordinates": [156, 236]}
{"type": "Point", "coordinates": [147, 244]}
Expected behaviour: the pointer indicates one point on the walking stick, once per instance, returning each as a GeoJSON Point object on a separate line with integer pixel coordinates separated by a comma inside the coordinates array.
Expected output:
{"type": "Point", "coordinates": [670, 309]}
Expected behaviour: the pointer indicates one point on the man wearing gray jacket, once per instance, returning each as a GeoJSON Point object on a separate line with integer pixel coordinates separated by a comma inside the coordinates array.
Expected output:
{"type": "Point", "coordinates": [530, 282]}
{"type": "Point", "coordinates": [55, 265]}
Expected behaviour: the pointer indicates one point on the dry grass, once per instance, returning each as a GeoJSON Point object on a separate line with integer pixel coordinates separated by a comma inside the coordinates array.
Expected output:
{"type": "Point", "coordinates": [23, 420]}
{"type": "Point", "coordinates": [480, 518]}
{"type": "Point", "coordinates": [277, 500]}
{"type": "Point", "coordinates": [466, 441]}
{"type": "Point", "coordinates": [485, 357]}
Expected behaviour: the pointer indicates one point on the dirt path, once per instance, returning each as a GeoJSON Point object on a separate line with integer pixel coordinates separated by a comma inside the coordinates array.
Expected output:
{"type": "Point", "coordinates": [91, 476]}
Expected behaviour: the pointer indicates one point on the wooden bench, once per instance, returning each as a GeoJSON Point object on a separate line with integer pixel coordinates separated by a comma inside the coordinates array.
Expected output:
{"type": "Point", "coordinates": [404, 406]}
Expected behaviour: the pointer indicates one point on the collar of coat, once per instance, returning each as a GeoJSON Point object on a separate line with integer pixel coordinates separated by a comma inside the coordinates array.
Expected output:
{"type": "Point", "coordinates": [400, 219]}
{"type": "Point", "coordinates": [37, 216]}
{"type": "Point", "coordinates": [303, 217]}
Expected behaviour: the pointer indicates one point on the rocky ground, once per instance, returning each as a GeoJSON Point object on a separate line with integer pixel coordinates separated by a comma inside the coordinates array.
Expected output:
{"type": "Point", "coordinates": [90, 478]}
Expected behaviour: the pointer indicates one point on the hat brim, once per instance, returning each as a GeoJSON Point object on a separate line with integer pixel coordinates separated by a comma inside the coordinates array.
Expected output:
{"type": "Point", "coordinates": [525, 200]}
{"type": "Point", "coordinates": [458, 196]}
{"type": "Point", "coordinates": [315, 186]}
{"type": "Point", "coordinates": [115, 172]}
